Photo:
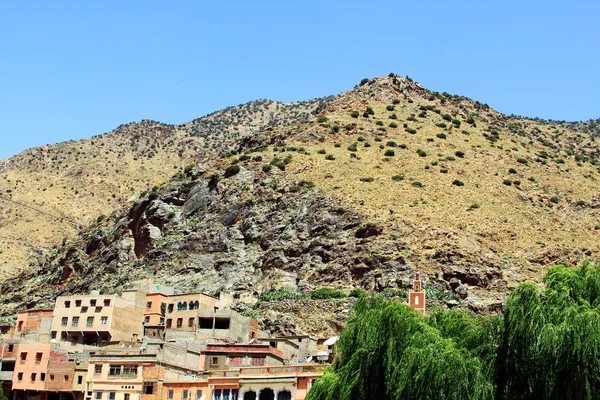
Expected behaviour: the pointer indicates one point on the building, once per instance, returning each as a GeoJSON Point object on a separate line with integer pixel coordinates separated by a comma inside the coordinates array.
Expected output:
{"type": "Point", "coordinates": [34, 325]}
{"type": "Point", "coordinates": [31, 370]}
{"type": "Point", "coordinates": [226, 325]}
{"type": "Point", "coordinates": [416, 296]}
{"type": "Point", "coordinates": [95, 319]}
{"type": "Point", "coordinates": [120, 376]}
{"type": "Point", "coordinates": [235, 356]}
{"type": "Point", "coordinates": [296, 348]}
{"type": "Point", "coordinates": [8, 358]}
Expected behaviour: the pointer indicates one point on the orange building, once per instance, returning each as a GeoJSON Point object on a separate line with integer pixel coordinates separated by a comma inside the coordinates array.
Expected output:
{"type": "Point", "coordinates": [416, 296]}
{"type": "Point", "coordinates": [31, 370]}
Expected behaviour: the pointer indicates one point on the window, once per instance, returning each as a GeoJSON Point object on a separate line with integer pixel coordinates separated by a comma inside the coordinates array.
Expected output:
{"type": "Point", "coordinates": [93, 303]}
{"type": "Point", "coordinates": [63, 335]}
{"type": "Point", "coordinates": [38, 357]}
{"type": "Point", "coordinates": [64, 321]}
{"type": "Point", "coordinates": [66, 377]}
{"type": "Point", "coordinates": [107, 302]}
{"type": "Point", "coordinates": [42, 377]}
{"type": "Point", "coordinates": [217, 393]}
{"type": "Point", "coordinates": [77, 303]}
{"type": "Point", "coordinates": [299, 340]}
{"type": "Point", "coordinates": [179, 322]}
{"type": "Point", "coordinates": [84, 309]}
{"type": "Point", "coordinates": [191, 322]}
{"type": "Point", "coordinates": [221, 323]}
{"type": "Point", "coordinates": [20, 326]}
{"type": "Point", "coordinates": [112, 395]}
{"type": "Point", "coordinates": [98, 395]}
{"type": "Point", "coordinates": [130, 370]}
{"type": "Point", "coordinates": [198, 394]}
{"type": "Point", "coordinates": [20, 376]}
{"type": "Point", "coordinates": [182, 306]}
{"type": "Point", "coordinates": [149, 304]}
{"type": "Point", "coordinates": [67, 304]}
{"type": "Point", "coordinates": [89, 321]}
{"type": "Point", "coordinates": [169, 322]}
{"type": "Point", "coordinates": [103, 320]}
{"type": "Point", "coordinates": [75, 321]}
{"type": "Point", "coordinates": [214, 361]}
{"type": "Point", "coordinates": [79, 379]}
{"type": "Point", "coordinates": [53, 335]}
{"type": "Point", "coordinates": [184, 394]}
{"type": "Point", "coordinates": [170, 394]}
{"type": "Point", "coordinates": [98, 309]}
{"type": "Point", "coordinates": [11, 347]}
{"type": "Point", "coordinates": [97, 369]}
{"type": "Point", "coordinates": [51, 378]}
{"type": "Point", "coordinates": [147, 320]}
{"type": "Point", "coordinates": [170, 308]}
{"type": "Point", "coordinates": [114, 370]}
{"type": "Point", "coordinates": [234, 394]}
{"type": "Point", "coordinates": [33, 375]}
{"type": "Point", "coordinates": [226, 394]}
{"type": "Point", "coordinates": [149, 387]}
{"type": "Point", "coordinates": [162, 321]}
{"type": "Point", "coordinates": [194, 305]}
{"type": "Point", "coordinates": [23, 356]}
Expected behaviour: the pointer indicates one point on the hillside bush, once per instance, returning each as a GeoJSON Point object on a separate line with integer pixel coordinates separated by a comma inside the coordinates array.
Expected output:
{"type": "Point", "coordinates": [231, 171]}
{"type": "Point", "coordinates": [354, 114]}
{"type": "Point", "coordinates": [389, 153]}
{"type": "Point", "coordinates": [368, 179]}
{"type": "Point", "coordinates": [398, 178]}
{"type": "Point", "coordinates": [324, 293]}
{"type": "Point", "coordinates": [456, 182]}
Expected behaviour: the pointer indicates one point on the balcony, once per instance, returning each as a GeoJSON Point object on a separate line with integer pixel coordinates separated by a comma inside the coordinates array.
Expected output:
{"type": "Point", "coordinates": [284, 370]}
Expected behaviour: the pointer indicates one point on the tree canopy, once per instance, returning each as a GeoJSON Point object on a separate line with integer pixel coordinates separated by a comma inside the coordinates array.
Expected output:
{"type": "Point", "coordinates": [546, 345]}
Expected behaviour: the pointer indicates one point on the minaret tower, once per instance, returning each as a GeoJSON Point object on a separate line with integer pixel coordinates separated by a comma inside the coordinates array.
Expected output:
{"type": "Point", "coordinates": [416, 296]}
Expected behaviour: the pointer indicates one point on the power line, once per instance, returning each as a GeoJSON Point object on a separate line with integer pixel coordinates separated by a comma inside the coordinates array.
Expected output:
{"type": "Point", "coordinates": [60, 218]}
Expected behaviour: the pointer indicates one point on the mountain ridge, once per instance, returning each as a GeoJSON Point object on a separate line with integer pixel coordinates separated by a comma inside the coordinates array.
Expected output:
{"type": "Point", "coordinates": [476, 200]}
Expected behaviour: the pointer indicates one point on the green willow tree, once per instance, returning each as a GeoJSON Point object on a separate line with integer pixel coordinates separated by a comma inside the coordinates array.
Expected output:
{"type": "Point", "coordinates": [389, 351]}
{"type": "Point", "coordinates": [551, 341]}
{"type": "Point", "coordinates": [545, 346]}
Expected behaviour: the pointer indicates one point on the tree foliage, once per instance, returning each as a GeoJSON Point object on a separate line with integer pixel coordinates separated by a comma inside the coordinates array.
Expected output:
{"type": "Point", "coordinates": [545, 346]}
{"type": "Point", "coordinates": [389, 351]}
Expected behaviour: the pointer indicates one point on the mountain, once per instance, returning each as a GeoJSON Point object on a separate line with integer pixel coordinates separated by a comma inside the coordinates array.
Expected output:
{"type": "Point", "coordinates": [48, 192]}
{"type": "Point", "coordinates": [359, 190]}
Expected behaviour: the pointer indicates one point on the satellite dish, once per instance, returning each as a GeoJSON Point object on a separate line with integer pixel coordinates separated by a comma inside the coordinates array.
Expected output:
{"type": "Point", "coordinates": [309, 359]}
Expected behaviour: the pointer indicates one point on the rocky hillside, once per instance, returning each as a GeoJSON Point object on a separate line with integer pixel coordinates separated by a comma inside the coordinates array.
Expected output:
{"type": "Point", "coordinates": [48, 192]}
{"type": "Point", "coordinates": [356, 191]}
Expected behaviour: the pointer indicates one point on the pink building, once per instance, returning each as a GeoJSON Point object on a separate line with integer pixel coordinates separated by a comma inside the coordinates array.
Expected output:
{"type": "Point", "coordinates": [31, 369]}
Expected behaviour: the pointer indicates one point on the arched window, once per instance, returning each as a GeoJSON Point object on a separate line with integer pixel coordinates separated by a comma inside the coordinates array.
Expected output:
{"type": "Point", "coordinates": [284, 395]}
{"type": "Point", "coordinates": [182, 306]}
{"type": "Point", "coordinates": [196, 305]}
{"type": "Point", "coordinates": [266, 394]}
{"type": "Point", "coordinates": [250, 395]}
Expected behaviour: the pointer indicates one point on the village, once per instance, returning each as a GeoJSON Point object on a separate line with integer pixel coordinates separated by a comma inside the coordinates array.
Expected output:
{"type": "Point", "coordinates": [155, 345]}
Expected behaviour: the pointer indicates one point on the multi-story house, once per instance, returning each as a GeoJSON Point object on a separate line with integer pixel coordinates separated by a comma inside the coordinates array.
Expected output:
{"type": "Point", "coordinates": [97, 320]}
{"type": "Point", "coordinates": [31, 369]}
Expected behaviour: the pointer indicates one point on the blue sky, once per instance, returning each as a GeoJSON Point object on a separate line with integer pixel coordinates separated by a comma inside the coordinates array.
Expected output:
{"type": "Point", "coordinates": [73, 69]}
